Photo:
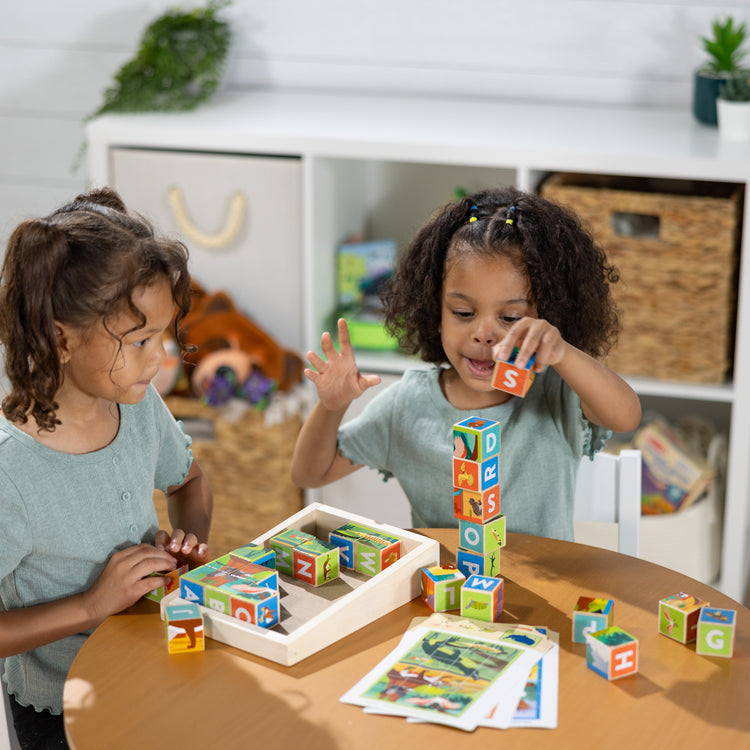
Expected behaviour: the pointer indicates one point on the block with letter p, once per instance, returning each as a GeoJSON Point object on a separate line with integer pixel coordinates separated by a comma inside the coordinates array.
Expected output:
{"type": "Point", "coordinates": [612, 653]}
{"type": "Point", "coordinates": [476, 438]}
{"type": "Point", "coordinates": [591, 615]}
{"type": "Point", "coordinates": [716, 631]}
{"type": "Point", "coordinates": [472, 563]}
{"type": "Point", "coordinates": [482, 598]}
{"type": "Point", "coordinates": [512, 379]}
{"type": "Point", "coordinates": [441, 587]}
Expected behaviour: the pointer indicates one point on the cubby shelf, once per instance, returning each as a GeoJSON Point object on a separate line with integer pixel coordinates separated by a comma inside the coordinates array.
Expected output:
{"type": "Point", "coordinates": [379, 165]}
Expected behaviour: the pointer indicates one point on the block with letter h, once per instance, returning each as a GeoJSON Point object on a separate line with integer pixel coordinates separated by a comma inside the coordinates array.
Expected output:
{"type": "Point", "coordinates": [184, 628]}
{"type": "Point", "coordinates": [512, 379]}
{"type": "Point", "coordinates": [441, 587]}
{"type": "Point", "coordinates": [590, 615]}
{"type": "Point", "coordinates": [716, 632]}
{"type": "Point", "coordinates": [612, 653]}
{"type": "Point", "coordinates": [482, 598]}
{"type": "Point", "coordinates": [678, 616]}
{"type": "Point", "coordinates": [305, 557]}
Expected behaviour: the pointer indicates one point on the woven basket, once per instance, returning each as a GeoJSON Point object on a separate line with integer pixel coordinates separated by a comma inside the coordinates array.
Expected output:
{"type": "Point", "coordinates": [677, 256]}
{"type": "Point", "coordinates": [248, 466]}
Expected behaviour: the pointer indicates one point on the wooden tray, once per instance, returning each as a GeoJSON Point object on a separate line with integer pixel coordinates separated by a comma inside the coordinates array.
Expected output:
{"type": "Point", "coordinates": [315, 617]}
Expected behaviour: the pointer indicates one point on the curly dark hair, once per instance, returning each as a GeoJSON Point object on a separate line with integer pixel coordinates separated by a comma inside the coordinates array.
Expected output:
{"type": "Point", "coordinates": [568, 271]}
{"type": "Point", "coordinates": [78, 266]}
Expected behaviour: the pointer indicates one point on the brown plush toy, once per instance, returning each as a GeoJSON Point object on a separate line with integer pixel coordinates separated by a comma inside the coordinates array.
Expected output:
{"type": "Point", "coordinates": [228, 341]}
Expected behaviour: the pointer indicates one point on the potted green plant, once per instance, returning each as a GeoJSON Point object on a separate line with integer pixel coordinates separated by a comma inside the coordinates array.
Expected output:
{"type": "Point", "coordinates": [726, 52]}
{"type": "Point", "coordinates": [733, 108]}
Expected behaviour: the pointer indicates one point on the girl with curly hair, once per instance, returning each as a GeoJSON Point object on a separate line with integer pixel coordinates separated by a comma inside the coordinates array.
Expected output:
{"type": "Point", "coordinates": [85, 296]}
{"type": "Point", "coordinates": [496, 270]}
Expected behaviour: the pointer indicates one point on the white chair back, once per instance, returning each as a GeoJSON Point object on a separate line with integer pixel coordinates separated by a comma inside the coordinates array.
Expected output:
{"type": "Point", "coordinates": [608, 502]}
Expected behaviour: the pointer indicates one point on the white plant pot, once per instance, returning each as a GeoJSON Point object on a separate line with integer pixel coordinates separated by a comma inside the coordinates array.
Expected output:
{"type": "Point", "coordinates": [734, 120]}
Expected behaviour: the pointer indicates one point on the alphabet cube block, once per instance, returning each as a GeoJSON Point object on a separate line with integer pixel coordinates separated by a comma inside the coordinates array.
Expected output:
{"type": "Point", "coordinates": [482, 537]}
{"type": "Point", "coordinates": [482, 598]}
{"type": "Point", "coordinates": [305, 557]}
{"type": "Point", "coordinates": [364, 549]}
{"type": "Point", "coordinates": [591, 615]}
{"type": "Point", "coordinates": [716, 631]}
{"type": "Point", "coordinates": [234, 587]}
{"type": "Point", "coordinates": [476, 438]}
{"type": "Point", "coordinates": [612, 653]}
{"type": "Point", "coordinates": [511, 379]}
{"type": "Point", "coordinates": [477, 476]}
{"type": "Point", "coordinates": [184, 628]}
{"type": "Point", "coordinates": [477, 506]}
{"type": "Point", "coordinates": [174, 583]}
{"type": "Point", "coordinates": [441, 587]}
{"type": "Point", "coordinates": [678, 616]}
{"type": "Point", "coordinates": [472, 563]}
{"type": "Point", "coordinates": [256, 553]}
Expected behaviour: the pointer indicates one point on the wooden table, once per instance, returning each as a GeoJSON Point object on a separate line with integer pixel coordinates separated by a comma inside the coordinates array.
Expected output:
{"type": "Point", "coordinates": [125, 691]}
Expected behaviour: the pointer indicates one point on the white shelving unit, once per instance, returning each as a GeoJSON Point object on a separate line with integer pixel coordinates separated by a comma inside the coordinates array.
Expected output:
{"type": "Point", "coordinates": [379, 165]}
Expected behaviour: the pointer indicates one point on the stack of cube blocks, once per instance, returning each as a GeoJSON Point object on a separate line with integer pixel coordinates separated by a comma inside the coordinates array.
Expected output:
{"type": "Point", "coordinates": [242, 584]}
{"type": "Point", "coordinates": [472, 584]}
{"type": "Point", "coordinates": [689, 619]}
{"type": "Point", "coordinates": [364, 549]}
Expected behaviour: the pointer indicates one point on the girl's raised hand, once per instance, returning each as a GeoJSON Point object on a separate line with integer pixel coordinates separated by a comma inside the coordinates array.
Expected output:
{"type": "Point", "coordinates": [126, 578]}
{"type": "Point", "coordinates": [185, 548]}
{"type": "Point", "coordinates": [533, 336]}
{"type": "Point", "coordinates": [335, 375]}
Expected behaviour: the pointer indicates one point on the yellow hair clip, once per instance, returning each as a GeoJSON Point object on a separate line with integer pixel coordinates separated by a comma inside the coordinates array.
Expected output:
{"type": "Point", "coordinates": [473, 218]}
{"type": "Point", "coordinates": [509, 221]}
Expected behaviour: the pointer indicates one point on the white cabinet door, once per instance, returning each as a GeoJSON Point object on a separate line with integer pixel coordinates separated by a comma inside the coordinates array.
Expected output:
{"type": "Point", "coordinates": [239, 217]}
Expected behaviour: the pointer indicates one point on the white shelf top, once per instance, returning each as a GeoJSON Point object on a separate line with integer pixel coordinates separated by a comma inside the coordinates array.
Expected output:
{"type": "Point", "coordinates": [489, 132]}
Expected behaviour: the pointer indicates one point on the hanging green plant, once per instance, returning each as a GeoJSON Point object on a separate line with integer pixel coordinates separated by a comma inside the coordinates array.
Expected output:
{"type": "Point", "coordinates": [179, 63]}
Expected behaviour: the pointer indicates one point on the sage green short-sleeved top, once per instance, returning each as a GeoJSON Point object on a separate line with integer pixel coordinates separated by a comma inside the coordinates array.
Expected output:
{"type": "Point", "coordinates": [406, 432]}
{"type": "Point", "coordinates": [64, 515]}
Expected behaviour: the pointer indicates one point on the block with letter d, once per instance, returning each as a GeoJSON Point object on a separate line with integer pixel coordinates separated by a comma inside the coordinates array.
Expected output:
{"type": "Point", "coordinates": [590, 615]}
{"type": "Point", "coordinates": [716, 631]}
{"type": "Point", "coordinates": [612, 653]}
{"type": "Point", "coordinates": [482, 537]}
{"type": "Point", "coordinates": [476, 438]}
{"type": "Point", "coordinates": [472, 563]}
{"type": "Point", "coordinates": [476, 476]}
{"type": "Point", "coordinates": [184, 628]}
{"type": "Point", "coordinates": [678, 616]}
{"type": "Point", "coordinates": [482, 598]}
{"type": "Point", "coordinates": [512, 379]}
{"type": "Point", "coordinates": [441, 587]}
{"type": "Point", "coordinates": [479, 507]}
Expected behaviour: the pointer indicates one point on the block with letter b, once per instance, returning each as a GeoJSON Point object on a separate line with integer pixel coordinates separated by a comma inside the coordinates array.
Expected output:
{"type": "Point", "coordinates": [482, 537]}
{"type": "Point", "coordinates": [441, 587]}
{"type": "Point", "coordinates": [590, 615]}
{"type": "Point", "coordinates": [472, 563]}
{"type": "Point", "coordinates": [678, 616]}
{"type": "Point", "coordinates": [476, 438]}
{"type": "Point", "coordinates": [479, 507]}
{"type": "Point", "coordinates": [184, 628]}
{"type": "Point", "coordinates": [612, 653]}
{"type": "Point", "coordinates": [716, 631]}
{"type": "Point", "coordinates": [512, 379]}
{"type": "Point", "coordinates": [482, 598]}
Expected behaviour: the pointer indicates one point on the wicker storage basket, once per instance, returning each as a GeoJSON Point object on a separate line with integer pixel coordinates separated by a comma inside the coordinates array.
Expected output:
{"type": "Point", "coordinates": [677, 256]}
{"type": "Point", "coordinates": [247, 464]}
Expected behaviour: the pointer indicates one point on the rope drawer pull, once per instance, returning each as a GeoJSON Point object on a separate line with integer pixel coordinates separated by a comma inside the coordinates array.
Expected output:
{"type": "Point", "coordinates": [216, 241]}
